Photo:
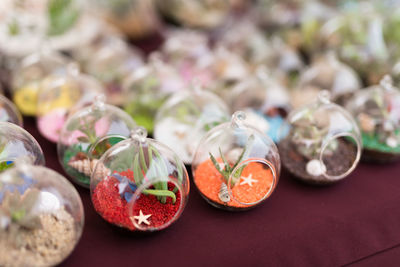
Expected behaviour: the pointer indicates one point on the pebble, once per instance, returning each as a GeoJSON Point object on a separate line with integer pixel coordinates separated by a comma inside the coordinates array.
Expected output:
{"type": "Point", "coordinates": [315, 167]}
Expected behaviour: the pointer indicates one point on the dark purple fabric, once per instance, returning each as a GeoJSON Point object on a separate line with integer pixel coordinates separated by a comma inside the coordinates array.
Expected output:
{"type": "Point", "coordinates": [300, 225]}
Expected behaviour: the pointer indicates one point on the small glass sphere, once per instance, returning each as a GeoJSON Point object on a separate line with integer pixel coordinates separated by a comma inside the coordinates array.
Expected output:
{"type": "Point", "coordinates": [377, 112]}
{"type": "Point", "coordinates": [41, 217]}
{"type": "Point", "coordinates": [264, 100]}
{"type": "Point", "coordinates": [236, 167]}
{"type": "Point", "coordinates": [148, 87]}
{"type": "Point", "coordinates": [111, 63]}
{"type": "Point", "coordinates": [185, 117]}
{"type": "Point", "coordinates": [326, 73]}
{"type": "Point", "coordinates": [140, 184]}
{"type": "Point", "coordinates": [205, 14]}
{"type": "Point", "coordinates": [30, 73]}
{"type": "Point", "coordinates": [61, 95]}
{"type": "Point", "coordinates": [8, 112]}
{"type": "Point", "coordinates": [87, 134]}
{"type": "Point", "coordinates": [323, 144]}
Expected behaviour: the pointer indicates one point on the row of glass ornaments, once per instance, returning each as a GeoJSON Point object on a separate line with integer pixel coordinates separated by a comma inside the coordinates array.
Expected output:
{"type": "Point", "coordinates": [142, 185]}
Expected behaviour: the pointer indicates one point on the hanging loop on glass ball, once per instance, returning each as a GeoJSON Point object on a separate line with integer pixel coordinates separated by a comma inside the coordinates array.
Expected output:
{"type": "Point", "coordinates": [99, 101]}
{"type": "Point", "coordinates": [139, 134]}
{"type": "Point", "coordinates": [324, 97]}
{"type": "Point", "coordinates": [238, 118]}
{"type": "Point", "coordinates": [386, 82]}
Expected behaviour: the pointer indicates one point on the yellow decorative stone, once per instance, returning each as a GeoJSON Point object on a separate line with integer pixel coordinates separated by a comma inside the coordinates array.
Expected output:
{"type": "Point", "coordinates": [25, 99]}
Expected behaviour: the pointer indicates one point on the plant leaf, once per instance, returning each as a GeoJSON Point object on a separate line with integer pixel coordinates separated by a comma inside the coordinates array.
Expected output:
{"type": "Point", "coordinates": [142, 159]}
{"type": "Point", "coordinates": [136, 170]}
{"type": "Point", "coordinates": [161, 193]}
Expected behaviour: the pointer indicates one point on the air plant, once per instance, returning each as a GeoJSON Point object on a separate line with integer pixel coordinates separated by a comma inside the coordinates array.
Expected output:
{"type": "Point", "coordinates": [150, 166]}
{"type": "Point", "coordinates": [228, 169]}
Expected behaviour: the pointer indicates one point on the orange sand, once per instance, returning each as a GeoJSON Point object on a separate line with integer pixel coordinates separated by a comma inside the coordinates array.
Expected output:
{"type": "Point", "coordinates": [208, 180]}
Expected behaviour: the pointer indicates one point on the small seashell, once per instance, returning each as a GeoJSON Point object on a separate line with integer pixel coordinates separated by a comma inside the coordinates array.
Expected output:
{"type": "Point", "coordinates": [392, 142]}
{"type": "Point", "coordinates": [224, 193]}
{"type": "Point", "coordinates": [86, 166]}
{"type": "Point", "coordinates": [367, 123]}
{"type": "Point", "coordinates": [315, 167]}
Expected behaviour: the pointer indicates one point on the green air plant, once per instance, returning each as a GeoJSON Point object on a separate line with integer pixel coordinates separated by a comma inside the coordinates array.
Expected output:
{"type": "Point", "coordinates": [151, 166]}
{"type": "Point", "coordinates": [62, 15]}
{"type": "Point", "coordinates": [228, 169]}
{"type": "Point", "coordinates": [308, 135]}
{"type": "Point", "coordinates": [19, 210]}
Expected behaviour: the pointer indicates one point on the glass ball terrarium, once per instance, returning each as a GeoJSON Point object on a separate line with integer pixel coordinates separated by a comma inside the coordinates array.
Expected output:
{"type": "Point", "coordinates": [323, 144]}
{"type": "Point", "coordinates": [148, 87]}
{"type": "Point", "coordinates": [87, 134]}
{"type": "Point", "coordinates": [377, 111]}
{"type": "Point", "coordinates": [264, 100]}
{"type": "Point", "coordinates": [8, 112]}
{"type": "Point", "coordinates": [16, 143]}
{"type": "Point", "coordinates": [41, 217]}
{"type": "Point", "coordinates": [236, 167]}
{"type": "Point", "coordinates": [140, 184]}
{"type": "Point", "coordinates": [61, 95]}
{"type": "Point", "coordinates": [185, 117]}
{"type": "Point", "coordinates": [30, 73]}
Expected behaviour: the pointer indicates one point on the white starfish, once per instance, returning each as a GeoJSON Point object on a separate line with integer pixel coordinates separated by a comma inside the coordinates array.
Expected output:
{"type": "Point", "coordinates": [142, 218]}
{"type": "Point", "coordinates": [248, 180]}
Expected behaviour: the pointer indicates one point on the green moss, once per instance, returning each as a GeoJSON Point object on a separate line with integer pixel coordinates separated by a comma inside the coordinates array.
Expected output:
{"type": "Point", "coordinates": [371, 142]}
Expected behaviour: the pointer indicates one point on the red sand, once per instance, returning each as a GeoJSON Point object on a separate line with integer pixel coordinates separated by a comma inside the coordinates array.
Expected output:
{"type": "Point", "coordinates": [113, 208]}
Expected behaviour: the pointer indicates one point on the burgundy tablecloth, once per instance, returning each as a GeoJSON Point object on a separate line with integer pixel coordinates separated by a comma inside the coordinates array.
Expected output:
{"type": "Point", "coordinates": [356, 221]}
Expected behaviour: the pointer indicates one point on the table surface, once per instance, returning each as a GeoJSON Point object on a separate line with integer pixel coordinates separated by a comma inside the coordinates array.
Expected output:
{"type": "Point", "coordinates": [354, 222]}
